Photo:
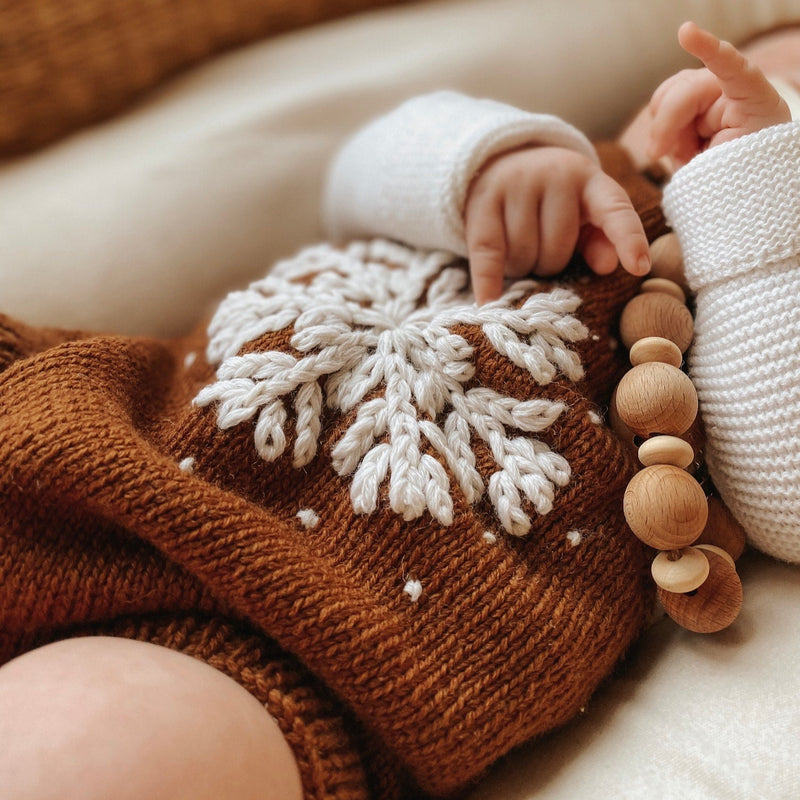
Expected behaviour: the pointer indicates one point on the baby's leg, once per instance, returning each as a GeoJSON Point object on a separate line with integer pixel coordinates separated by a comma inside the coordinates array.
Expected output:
{"type": "Point", "coordinates": [99, 717]}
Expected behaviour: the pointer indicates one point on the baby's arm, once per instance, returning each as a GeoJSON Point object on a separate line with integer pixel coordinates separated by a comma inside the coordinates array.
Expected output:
{"type": "Point", "coordinates": [735, 209]}
{"type": "Point", "coordinates": [509, 189]}
{"type": "Point", "coordinates": [700, 108]}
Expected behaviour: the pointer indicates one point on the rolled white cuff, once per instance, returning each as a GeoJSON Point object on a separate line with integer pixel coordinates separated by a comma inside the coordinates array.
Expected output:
{"type": "Point", "coordinates": [736, 207]}
{"type": "Point", "coordinates": [406, 175]}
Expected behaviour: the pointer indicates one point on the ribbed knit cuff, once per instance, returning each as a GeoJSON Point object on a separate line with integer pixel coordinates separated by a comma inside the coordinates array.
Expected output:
{"type": "Point", "coordinates": [736, 207]}
{"type": "Point", "coordinates": [406, 175]}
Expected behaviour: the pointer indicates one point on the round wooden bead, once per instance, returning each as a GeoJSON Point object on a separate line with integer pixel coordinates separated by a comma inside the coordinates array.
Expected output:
{"type": "Point", "coordinates": [714, 605]}
{"type": "Point", "coordinates": [667, 259]}
{"type": "Point", "coordinates": [666, 450]}
{"type": "Point", "coordinates": [656, 314]}
{"type": "Point", "coordinates": [722, 529]}
{"type": "Point", "coordinates": [683, 574]}
{"type": "Point", "coordinates": [712, 548]}
{"type": "Point", "coordinates": [664, 285]}
{"type": "Point", "coordinates": [656, 398]}
{"type": "Point", "coordinates": [665, 507]}
{"type": "Point", "coordinates": [655, 348]}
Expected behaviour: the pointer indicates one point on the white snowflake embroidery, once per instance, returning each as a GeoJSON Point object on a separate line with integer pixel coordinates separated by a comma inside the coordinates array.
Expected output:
{"type": "Point", "coordinates": [373, 325]}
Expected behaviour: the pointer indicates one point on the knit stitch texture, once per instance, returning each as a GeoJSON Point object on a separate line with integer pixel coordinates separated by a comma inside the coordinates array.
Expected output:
{"type": "Point", "coordinates": [735, 209]}
{"type": "Point", "coordinates": [404, 642]}
{"type": "Point", "coordinates": [67, 63]}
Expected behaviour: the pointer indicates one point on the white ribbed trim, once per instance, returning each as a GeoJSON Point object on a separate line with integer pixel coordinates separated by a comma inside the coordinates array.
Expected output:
{"type": "Point", "coordinates": [735, 207]}
{"type": "Point", "coordinates": [406, 175]}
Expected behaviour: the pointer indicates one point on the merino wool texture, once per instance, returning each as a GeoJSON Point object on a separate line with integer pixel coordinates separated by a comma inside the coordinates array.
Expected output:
{"type": "Point", "coordinates": [736, 209]}
{"type": "Point", "coordinates": [401, 654]}
{"type": "Point", "coordinates": [68, 63]}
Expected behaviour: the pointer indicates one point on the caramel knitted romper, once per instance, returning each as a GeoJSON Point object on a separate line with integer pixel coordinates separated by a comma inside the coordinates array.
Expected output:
{"type": "Point", "coordinates": [377, 561]}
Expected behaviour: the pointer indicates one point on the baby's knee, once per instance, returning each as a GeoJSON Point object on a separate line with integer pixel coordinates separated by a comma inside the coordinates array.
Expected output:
{"type": "Point", "coordinates": [98, 717]}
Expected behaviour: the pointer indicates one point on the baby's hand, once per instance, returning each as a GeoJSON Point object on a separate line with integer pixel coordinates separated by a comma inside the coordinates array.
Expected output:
{"type": "Point", "coordinates": [699, 108]}
{"type": "Point", "coordinates": [529, 209]}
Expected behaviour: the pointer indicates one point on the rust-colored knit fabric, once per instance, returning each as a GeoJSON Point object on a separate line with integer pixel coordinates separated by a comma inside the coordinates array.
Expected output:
{"type": "Point", "coordinates": [105, 529]}
{"type": "Point", "coordinates": [67, 63]}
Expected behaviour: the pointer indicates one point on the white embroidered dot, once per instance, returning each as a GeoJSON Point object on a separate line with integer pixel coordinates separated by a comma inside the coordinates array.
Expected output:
{"type": "Point", "coordinates": [489, 537]}
{"type": "Point", "coordinates": [308, 517]}
{"type": "Point", "coordinates": [574, 537]}
{"type": "Point", "coordinates": [595, 337]}
{"type": "Point", "coordinates": [594, 418]}
{"type": "Point", "coordinates": [190, 359]}
{"type": "Point", "coordinates": [413, 589]}
{"type": "Point", "coordinates": [187, 465]}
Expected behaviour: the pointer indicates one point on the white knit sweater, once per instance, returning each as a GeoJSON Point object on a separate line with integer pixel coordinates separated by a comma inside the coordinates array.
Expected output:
{"type": "Point", "coordinates": [736, 210]}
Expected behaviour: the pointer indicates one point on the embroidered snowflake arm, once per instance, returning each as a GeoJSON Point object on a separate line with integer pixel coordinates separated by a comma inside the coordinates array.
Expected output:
{"type": "Point", "coordinates": [526, 465]}
{"type": "Point", "coordinates": [360, 437]}
{"type": "Point", "coordinates": [269, 305]}
{"type": "Point", "coordinates": [367, 481]}
{"type": "Point", "coordinates": [535, 336]}
{"type": "Point", "coordinates": [453, 443]}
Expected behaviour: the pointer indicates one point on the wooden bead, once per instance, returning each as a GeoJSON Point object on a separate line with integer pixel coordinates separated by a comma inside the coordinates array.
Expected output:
{"type": "Point", "coordinates": [714, 605]}
{"type": "Point", "coordinates": [664, 285]}
{"type": "Point", "coordinates": [666, 450]}
{"type": "Point", "coordinates": [655, 348]}
{"type": "Point", "coordinates": [722, 529]}
{"type": "Point", "coordinates": [656, 398]}
{"type": "Point", "coordinates": [712, 548]}
{"type": "Point", "coordinates": [685, 573]}
{"type": "Point", "coordinates": [667, 259]}
{"type": "Point", "coordinates": [665, 507]}
{"type": "Point", "coordinates": [656, 314]}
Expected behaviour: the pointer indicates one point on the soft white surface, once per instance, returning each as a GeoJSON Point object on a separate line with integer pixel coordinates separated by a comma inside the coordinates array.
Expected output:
{"type": "Point", "coordinates": [691, 717]}
{"type": "Point", "coordinates": [137, 225]}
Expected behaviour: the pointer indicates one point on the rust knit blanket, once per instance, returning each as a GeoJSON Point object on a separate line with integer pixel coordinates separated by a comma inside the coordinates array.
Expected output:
{"type": "Point", "coordinates": [394, 518]}
{"type": "Point", "coordinates": [68, 63]}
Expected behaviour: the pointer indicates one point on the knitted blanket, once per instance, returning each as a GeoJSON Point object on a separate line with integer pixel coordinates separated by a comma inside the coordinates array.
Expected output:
{"type": "Point", "coordinates": [68, 63]}
{"type": "Point", "coordinates": [394, 517]}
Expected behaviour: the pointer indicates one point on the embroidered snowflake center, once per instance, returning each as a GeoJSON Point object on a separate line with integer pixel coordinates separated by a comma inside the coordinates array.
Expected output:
{"type": "Point", "coordinates": [373, 324]}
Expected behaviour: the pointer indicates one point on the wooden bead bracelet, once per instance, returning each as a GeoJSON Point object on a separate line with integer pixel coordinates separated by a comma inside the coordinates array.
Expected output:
{"type": "Point", "coordinates": [664, 505]}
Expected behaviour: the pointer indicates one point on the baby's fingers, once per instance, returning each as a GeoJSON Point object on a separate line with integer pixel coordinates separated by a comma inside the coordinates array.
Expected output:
{"type": "Point", "coordinates": [608, 208]}
{"type": "Point", "coordinates": [486, 248]}
{"type": "Point", "coordinates": [748, 101]}
{"type": "Point", "coordinates": [675, 108]}
{"type": "Point", "coordinates": [738, 79]}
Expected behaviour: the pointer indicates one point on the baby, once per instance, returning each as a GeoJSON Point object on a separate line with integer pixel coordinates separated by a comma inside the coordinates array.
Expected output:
{"type": "Point", "coordinates": [516, 192]}
{"type": "Point", "coordinates": [526, 210]}
{"type": "Point", "coordinates": [96, 717]}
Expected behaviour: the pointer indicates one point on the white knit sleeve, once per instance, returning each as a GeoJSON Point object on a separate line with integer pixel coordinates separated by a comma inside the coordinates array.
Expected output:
{"type": "Point", "coordinates": [736, 211]}
{"type": "Point", "coordinates": [405, 176]}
